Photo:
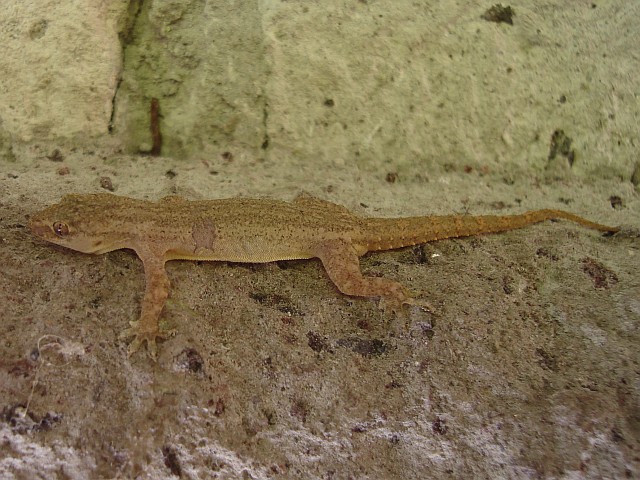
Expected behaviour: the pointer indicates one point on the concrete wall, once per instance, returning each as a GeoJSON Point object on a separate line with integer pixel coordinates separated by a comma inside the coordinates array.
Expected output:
{"type": "Point", "coordinates": [411, 86]}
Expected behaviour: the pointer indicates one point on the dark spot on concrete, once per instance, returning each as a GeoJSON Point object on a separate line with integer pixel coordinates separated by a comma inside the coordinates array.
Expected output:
{"type": "Point", "coordinates": [189, 359]}
{"type": "Point", "coordinates": [38, 29]}
{"type": "Point", "coordinates": [561, 145]}
{"type": "Point", "coordinates": [418, 255]}
{"type": "Point", "coordinates": [602, 277]}
{"type": "Point", "coordinates": [271, 417]}
{"type": "Point", "coordinates": [49, 420]}
{"type": "Point", "coordinates": [318, 343]}
{"type": "Point", "coordinates": [300, 409]}
{"type": "Point", "coordinates": [273, 300]}
{"type": "Point", "coordinates": [364, 347]}
{"type": "Point", "coordinates": [364, 324]}
{"type": "Point", "coordinates": [439, 426]}
{"type": "Point", "coordinates": [616, 202]}
{"type": "Point", "coordinates": [27, 422]}
{"type": "Point", "coordinates": [392, 177]}
{"type": "Point", "coordinates": [220, 407]}
{"type": "Point", "coordinates": [544, 252]}
{"type": "Point", "coordinates": [616, 435]}
{"type": "Point", "coordinates": [106, 183]}
{"type": "Point", "coordinates": [95, 302]}
{"type": "Point", "coordinates": [547, 360]}
{"type": "Point", "coordinates": [56, 156]}
{"type": "Point", "coordinates": [171, 460]}
{"type": "Point", "coordinates": [499, 14]}
{"type": "Point", "coordinates": [21, 368]}
{"type": "Point", "coordinates": [423, 367]}
{"type": "Point", "coordinates": [427, 329]}
{"type": "Point", "coordinates": [508, 284]}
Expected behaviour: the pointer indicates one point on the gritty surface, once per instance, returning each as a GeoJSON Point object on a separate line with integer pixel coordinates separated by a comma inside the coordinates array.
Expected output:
{"type": "Point", "coordinates": [530, 368]}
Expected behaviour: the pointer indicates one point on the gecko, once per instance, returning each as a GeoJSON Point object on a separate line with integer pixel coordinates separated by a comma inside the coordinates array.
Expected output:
{"type": "Point", "coordinates": [256, 231]}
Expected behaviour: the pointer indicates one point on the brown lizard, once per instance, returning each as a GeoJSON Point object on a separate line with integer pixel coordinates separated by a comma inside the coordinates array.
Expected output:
{"type": "Point", "coordinates": [251, 230]}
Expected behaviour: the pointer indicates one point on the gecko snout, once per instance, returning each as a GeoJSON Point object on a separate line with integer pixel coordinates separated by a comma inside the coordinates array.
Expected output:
{"type": "Point", "coordinates": [38, 228]}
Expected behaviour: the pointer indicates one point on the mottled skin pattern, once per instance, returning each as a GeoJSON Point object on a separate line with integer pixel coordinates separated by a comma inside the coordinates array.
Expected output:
{"type": "Point", "coordinates": [248, 230]}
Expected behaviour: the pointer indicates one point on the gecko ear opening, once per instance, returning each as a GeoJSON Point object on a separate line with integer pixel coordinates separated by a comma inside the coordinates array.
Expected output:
{"type": "Point", "coordinates": [61, 229]}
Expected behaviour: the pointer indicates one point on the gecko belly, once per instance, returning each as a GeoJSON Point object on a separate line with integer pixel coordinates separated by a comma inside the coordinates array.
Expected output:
{"type": "Point", "coordinates": [244, 252]}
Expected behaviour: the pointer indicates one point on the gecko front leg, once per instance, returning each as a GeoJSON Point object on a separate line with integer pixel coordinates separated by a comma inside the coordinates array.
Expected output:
{"type": "Point", "coordinates": [340, 260]}
{"type": "Point", "coordinates": [157, 284]}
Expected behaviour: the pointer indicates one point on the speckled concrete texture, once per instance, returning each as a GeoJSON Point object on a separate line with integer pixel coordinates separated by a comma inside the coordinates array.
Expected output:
{"type": "Point", "coordinates": [527, 368]}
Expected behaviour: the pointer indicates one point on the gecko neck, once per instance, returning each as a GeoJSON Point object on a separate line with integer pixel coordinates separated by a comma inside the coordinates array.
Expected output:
{"type": "Point", "coordinates": [390, 233]}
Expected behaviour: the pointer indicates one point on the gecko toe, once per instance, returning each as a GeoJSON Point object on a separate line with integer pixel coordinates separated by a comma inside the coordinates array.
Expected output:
{"type": "Point", "coordinates": [134, 346]}
{"type": "Point", "coordinates": [132, 331]}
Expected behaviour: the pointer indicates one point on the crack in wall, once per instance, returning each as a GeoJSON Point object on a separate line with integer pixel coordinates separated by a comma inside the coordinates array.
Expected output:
{"type": "Point", "coordinates": [125, 36]}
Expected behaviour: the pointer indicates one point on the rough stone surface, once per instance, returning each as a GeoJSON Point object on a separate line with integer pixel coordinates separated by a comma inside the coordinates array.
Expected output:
{"type": "Point", "coordinates": [60, 64]}
{"type": "Point", "coordinates": [527, 369]}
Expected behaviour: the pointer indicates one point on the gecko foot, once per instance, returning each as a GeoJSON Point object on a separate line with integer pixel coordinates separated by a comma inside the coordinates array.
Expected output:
{"type": "Point", "coordinates": [141, 337]}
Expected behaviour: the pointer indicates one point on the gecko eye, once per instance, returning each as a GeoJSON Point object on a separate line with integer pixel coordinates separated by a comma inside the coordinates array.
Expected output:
{"type": "Point", "coordinates": [60, 229]}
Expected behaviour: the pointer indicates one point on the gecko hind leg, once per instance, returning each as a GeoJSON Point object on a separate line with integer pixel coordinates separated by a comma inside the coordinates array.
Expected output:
{"type": "Point", "coordinates": [341, 261]}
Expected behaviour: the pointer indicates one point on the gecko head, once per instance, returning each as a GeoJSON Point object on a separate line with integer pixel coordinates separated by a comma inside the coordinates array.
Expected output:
{"type": "Point", "coordinates": [79, 222]}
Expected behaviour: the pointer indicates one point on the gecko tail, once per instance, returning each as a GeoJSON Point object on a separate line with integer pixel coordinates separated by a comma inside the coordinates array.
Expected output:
{"type": "Point", "coordinates": [390, 233]}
